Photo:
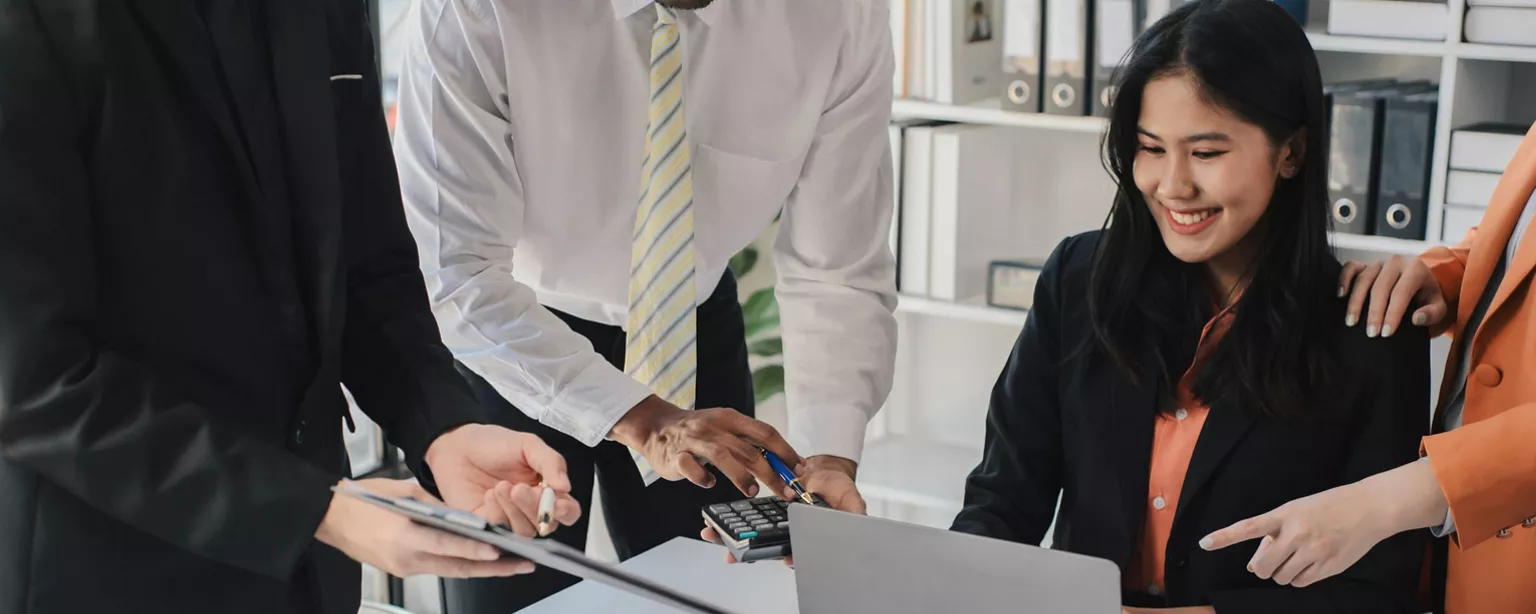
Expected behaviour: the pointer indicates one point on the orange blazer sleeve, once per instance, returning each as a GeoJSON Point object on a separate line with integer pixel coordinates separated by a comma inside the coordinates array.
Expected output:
{"type": "Point", "coordinates": [1448, 265]}
{"type": "Point", "coordinates": [1487, 470]}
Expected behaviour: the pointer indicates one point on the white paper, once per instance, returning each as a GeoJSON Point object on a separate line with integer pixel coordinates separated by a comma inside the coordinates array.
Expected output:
{"type": "Point", "coordinates": [1116, 31]}
{"type": "Point", "coordinates": [1064, 37]}
{"type": "Point", "coordinates": [1021, 24]}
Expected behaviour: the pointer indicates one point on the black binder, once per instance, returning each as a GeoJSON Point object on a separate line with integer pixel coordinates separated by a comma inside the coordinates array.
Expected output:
{"type": "Point", "coordinates": [1407, 147]}
{"type": "Point", "coordinates": [1023, 55]}
{"type": "Point", "coordinates": [1068, 56]}
{"type": "Point", "coordinates": [1114, 30]}
{"type": "Point", "coordinates": [1354, 147]}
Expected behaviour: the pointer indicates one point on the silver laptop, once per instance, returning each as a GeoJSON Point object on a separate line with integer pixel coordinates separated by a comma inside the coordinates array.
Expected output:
{"type": "Point", "coordinates": [851, 564]}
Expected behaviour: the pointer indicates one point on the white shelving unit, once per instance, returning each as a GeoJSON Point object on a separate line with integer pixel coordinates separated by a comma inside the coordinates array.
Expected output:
{"type": "Point", "coordinates": [990, 113]}
{"type": "Point", "coordinates": [928, 436]}
{"type": "Point", "coordinates": [973, 310]}
{"type": "Point", "coordinates": [915, 471]}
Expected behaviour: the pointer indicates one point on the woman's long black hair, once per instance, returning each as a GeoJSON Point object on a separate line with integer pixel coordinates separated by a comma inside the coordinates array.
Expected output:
{"type": "Point", "coordinates": [1252, 59]}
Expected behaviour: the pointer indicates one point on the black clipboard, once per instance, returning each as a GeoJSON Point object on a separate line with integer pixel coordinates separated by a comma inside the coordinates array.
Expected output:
{"type": "Point", "coordinates": [544, 552]}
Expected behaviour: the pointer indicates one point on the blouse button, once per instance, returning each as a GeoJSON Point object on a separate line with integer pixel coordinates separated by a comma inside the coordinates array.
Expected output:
{"type": "Point", "coordinates": [1159, 503]}
{"type": "Point", "coordinates": [1181, 414]}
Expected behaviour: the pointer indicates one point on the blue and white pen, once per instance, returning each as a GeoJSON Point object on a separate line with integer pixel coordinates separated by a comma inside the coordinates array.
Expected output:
{"type": "Point", "coordinates": [789, 478]}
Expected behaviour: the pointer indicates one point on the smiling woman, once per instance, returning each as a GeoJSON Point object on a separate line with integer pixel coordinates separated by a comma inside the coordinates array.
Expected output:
{"type": "Point", "coordinates": [1190, 360]}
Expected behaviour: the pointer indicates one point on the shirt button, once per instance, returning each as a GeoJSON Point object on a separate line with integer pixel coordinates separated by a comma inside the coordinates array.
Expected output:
{"type": "Point", "coordinates": [1504, 533]}
{"type": "Point", "coordinates": [1181, 414]}
{"type": "Point", "coordinates": [1154, 590]}
{"type": "Point", "coordinates": [1529, 522]}
{"type": "Point", "coordinates": [1159, 503]}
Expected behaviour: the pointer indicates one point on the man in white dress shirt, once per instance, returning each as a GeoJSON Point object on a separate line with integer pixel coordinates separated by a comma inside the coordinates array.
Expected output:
{"type": "Point", "coordinates": [578, 173]}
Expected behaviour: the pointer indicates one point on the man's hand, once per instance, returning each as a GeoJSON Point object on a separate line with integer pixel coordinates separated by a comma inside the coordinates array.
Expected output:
{"type": "Point", "coordinates": [402, 548]}
{"type": "Point", "coordinates": [829, 476]}
{"type": "Point", "coordinates": [495, 473]}
{"type": "Point", "coordinates": [1391, 285]}
{"type": "Point", "coordinates": [832, 477]}
{"type": "Point", "coordinates": [1317, 537]}
{"type": "Point", "coordinates": [678, 443]}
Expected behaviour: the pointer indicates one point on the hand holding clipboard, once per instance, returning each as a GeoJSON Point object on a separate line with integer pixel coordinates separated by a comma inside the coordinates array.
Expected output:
{"type": "Point", "coordinates": [548, 553]}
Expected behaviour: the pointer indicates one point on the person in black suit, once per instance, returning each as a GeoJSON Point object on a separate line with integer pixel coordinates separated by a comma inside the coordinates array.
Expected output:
{"type": "Point", "coordinates": [201, 240]}
{"type": "Point", "coordinates": [1189, 365]}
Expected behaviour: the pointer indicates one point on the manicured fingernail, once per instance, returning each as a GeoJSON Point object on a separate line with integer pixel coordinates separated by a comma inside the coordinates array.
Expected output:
{"type": "Point", "coordinates": [1420, 319]}
{"type": "Point", "coordinates": [1386, 331]}
{"type": "Point", "coordinates": [1206, 543]}
{"type": "Point", "coordinates": [490, 554]}
{"type": "Point", "coordinates": [1343, 291]}
{"type": "Point", "coordinates": [1370, 331]}
{"type": "Point", "coordinates": [1351, 320]}
{"type": "Point", "coordinates": [752, 490]}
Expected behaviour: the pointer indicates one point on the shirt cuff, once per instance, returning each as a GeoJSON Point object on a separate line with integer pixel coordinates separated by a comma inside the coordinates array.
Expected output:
{"type": "Point", "coordinates": [593, 402]}
{"type": "Point", "coordinates": [829, 430]}
{"type": "Point", "coordinates": [1445, 529]}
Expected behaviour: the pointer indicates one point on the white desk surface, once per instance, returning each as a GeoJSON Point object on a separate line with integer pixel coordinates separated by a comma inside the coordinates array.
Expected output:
{"type": "Point", "coordinates": [692, 567]}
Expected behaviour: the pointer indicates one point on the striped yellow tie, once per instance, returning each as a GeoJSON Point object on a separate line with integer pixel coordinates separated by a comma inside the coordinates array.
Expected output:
{"type": "Point", "coordinates": [661, 352]}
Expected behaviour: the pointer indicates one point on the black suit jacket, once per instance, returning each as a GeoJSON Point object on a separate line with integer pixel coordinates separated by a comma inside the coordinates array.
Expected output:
{"type": "Point", "coordinates": [170, 386]}
{"type": "Point", "coordinates": [1069, 422]}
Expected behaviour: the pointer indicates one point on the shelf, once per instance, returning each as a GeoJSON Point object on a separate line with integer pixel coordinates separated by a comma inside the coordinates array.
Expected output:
{"type": "Point", "coordinates": [1384, 46]}
{"type": "Point", "coordinates": [1380, 245]}
{"type": "Point", "coordinates": [1506, 53]}
{"type": "Point", "coordinates": [989, 113]}
{"type": "Point", "coordinates": [973, 310]}
{"type": "Point", "coordinates": [915, 471]}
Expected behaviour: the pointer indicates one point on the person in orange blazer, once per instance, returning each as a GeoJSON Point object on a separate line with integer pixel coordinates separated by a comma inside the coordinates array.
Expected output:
{"type": "Point", "coordinates": [1477, 482]}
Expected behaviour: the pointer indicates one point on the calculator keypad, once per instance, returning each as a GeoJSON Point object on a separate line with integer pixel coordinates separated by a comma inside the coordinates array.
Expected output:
{"type": "Point", "coordinates": [765, 517]}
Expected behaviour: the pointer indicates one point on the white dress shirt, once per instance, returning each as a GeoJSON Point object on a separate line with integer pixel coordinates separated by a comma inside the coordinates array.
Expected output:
{"type": "Point", "coordinates": [520, 138]}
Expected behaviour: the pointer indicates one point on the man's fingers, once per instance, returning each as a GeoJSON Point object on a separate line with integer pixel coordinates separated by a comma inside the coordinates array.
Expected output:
{"type": "Point", "coordinates": [1351, 269]}
{"type": "Point", "coordinates": [1252, 528]}
{"type": "Point", "coordinates": [431, 541]}
{"type": "Point", "coordinates": [692, 471]}
{"type": "Point", "coordinates": [522, 502]}
{"type": "Point", "coordinates": [450, 567]}
{"type": "Point", "coordinates": [763, 434]}
{"type": "Point", "coordinates": [1360, 292]}
{"type": "Point", "coordinates": [725, 459]}
{"type": "Point", "coordinates": [710, 536]}
{"type": "Point", "coordinates": [567, 510]}
{"type": "Point", "coordinates": [546, 462]}
{"type": "Point", "coordinates": [1381, 294]}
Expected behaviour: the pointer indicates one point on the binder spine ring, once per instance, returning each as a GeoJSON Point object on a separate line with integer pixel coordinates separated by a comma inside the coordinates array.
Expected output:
{"type": "Point", "coordinates": [1063, 95]}
{"type": "Point", "coordinates": [1018, 92]}
{"type": "Point", "coordinates": [1399, 216]}
{"type": "Point", "coordinates": [1345, 211]}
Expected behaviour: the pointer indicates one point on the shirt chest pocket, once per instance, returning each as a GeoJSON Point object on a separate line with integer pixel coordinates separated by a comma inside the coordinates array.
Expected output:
{"type": "Point", "coordinates": [736, 196]}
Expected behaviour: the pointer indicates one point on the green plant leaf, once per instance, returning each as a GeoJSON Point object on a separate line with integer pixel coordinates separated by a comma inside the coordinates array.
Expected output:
{"type": "Point", "coordinates": [769, 347]}
{"type": "Point", "coordinates": [742, 263]}
{"type": "Point", "coordinates": [761, 313]}
{"type": "Point", "coordinates": [768, 382]}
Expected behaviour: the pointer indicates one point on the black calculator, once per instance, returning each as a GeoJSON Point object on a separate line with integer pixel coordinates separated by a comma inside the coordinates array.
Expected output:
{"type": "Point", "coordinates": [753, 529]}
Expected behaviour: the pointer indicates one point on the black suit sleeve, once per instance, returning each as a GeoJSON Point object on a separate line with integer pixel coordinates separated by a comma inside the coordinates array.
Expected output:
{"type": "Point", "coordinates": [1012, 494]}
{"type": "Point", "coordinates": [393, 361]}
{"type": "Point", "coordinates": [87, 418]}
{"type": "Point", "coordinates": [1395, 418]}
